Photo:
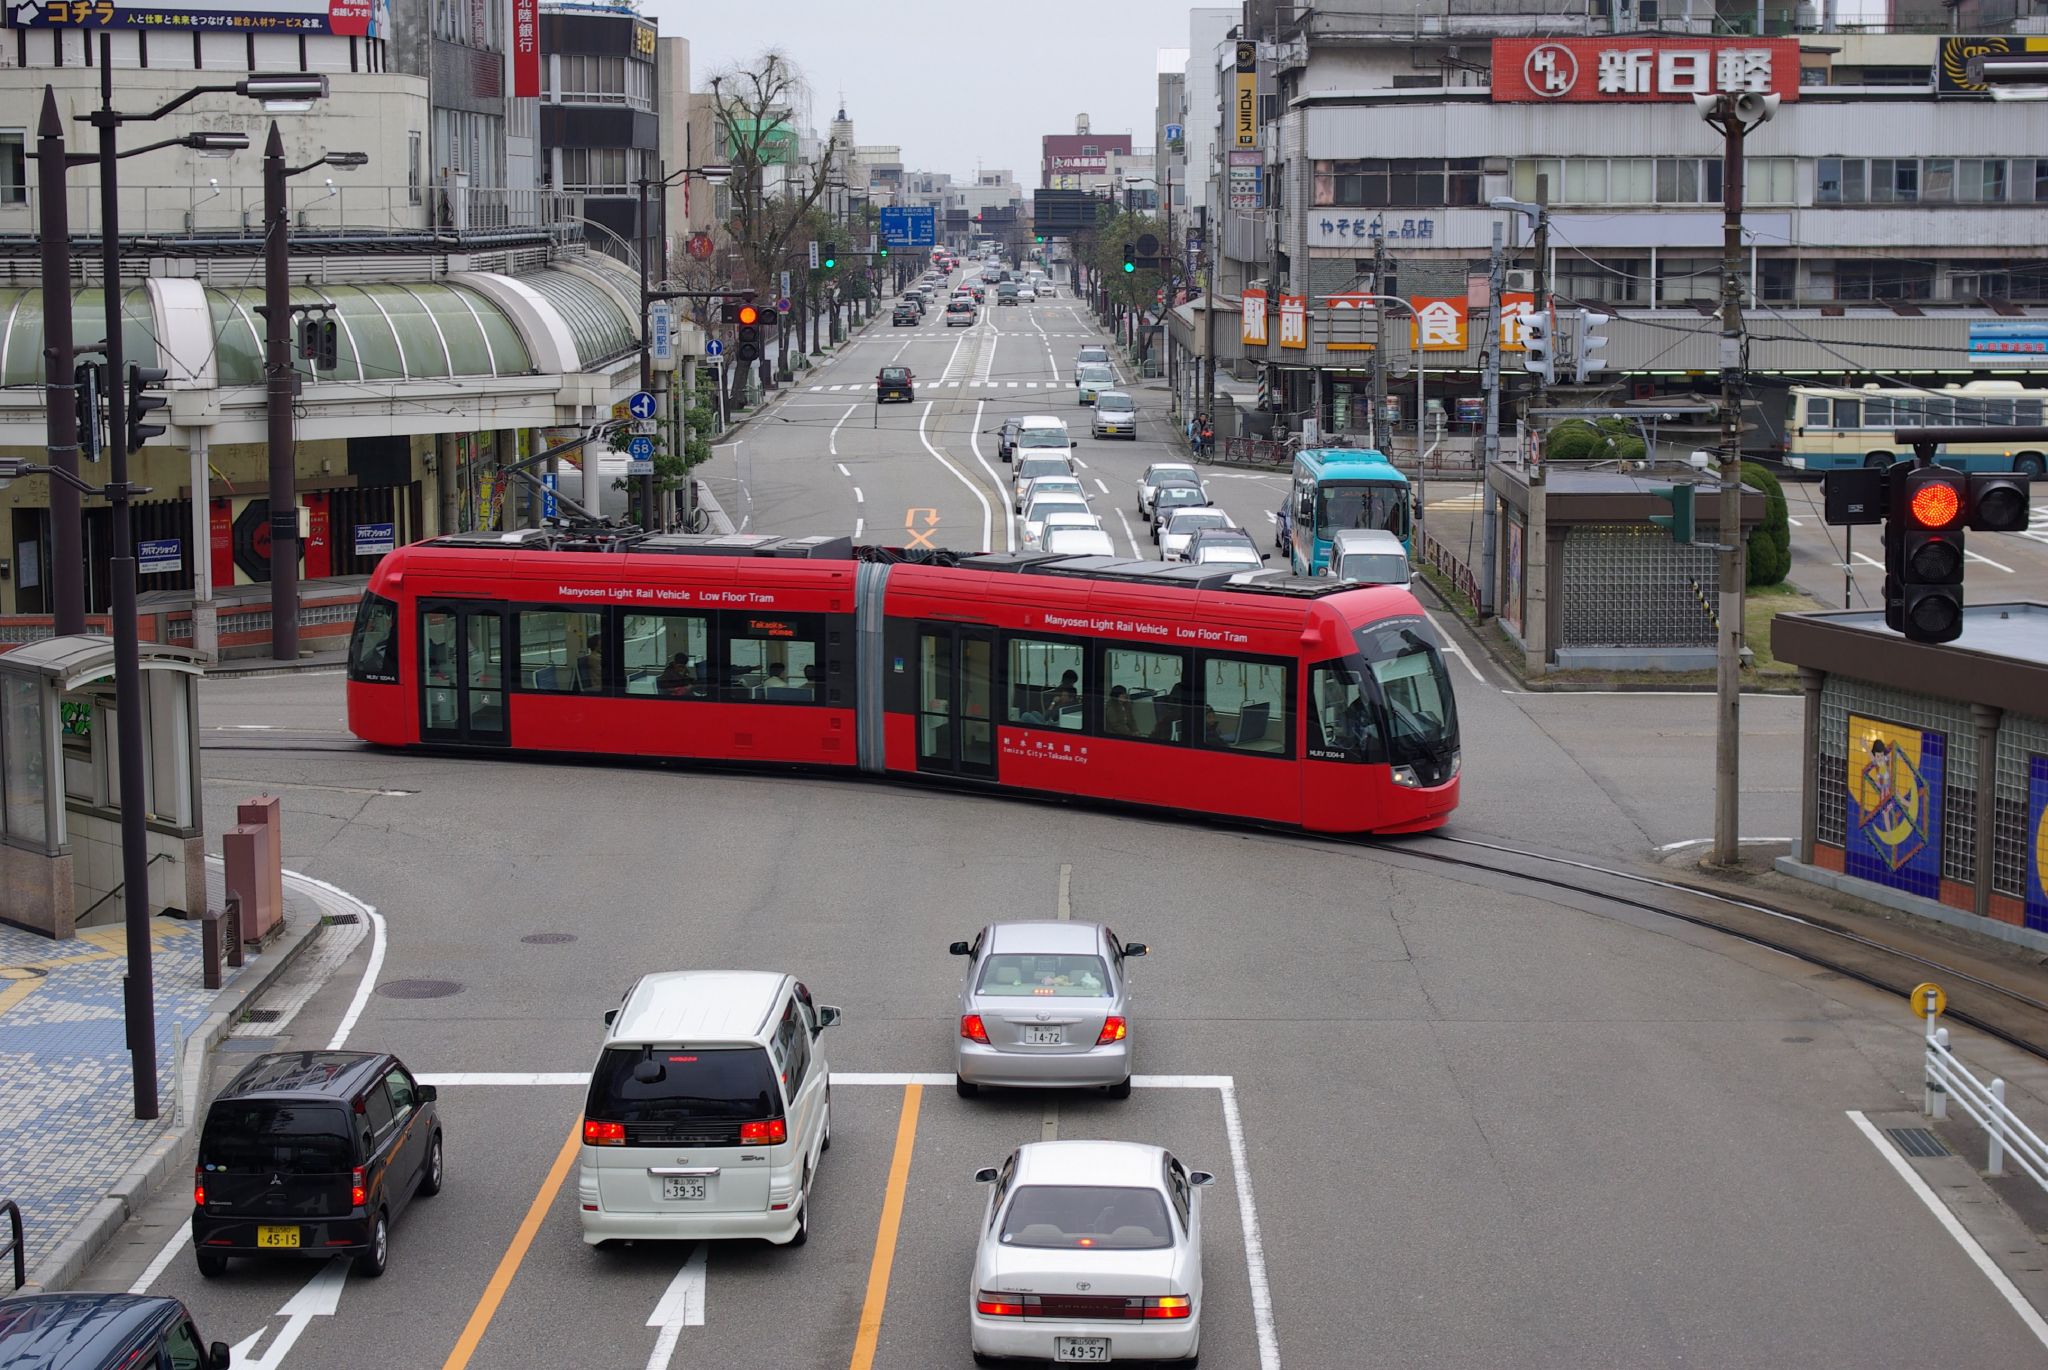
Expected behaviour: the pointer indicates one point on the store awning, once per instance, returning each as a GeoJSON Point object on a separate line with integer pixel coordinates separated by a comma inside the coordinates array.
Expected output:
{"type": "Point", "coordinates": [602, 330]}
{"type": "Point", "coordinates": [397, 331]}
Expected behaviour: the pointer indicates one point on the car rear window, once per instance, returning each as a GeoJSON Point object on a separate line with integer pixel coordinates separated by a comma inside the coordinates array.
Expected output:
{"type": "Point", "coordinates": [1066, 1217]}
{"type": "Point", "coordinates": [895, 373]}
{"type": "Point", "coordinates": [696, 1083]}
{"type": "Point", "coordinates": [276, 1138]}
{"type": "Point", "coordinates": [1024, 976]}
{"type": "Point", "coordinates": [1043, 437]}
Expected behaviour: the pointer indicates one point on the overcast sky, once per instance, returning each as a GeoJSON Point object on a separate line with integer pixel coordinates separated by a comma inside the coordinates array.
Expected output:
{"type": "Point", "coordinates": [952, 82]}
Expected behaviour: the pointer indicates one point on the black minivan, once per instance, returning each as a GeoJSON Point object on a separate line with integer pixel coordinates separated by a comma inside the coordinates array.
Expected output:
{"type": "Point", "coordinates": [312, 1153]}
{"type": "Point", "coordinates": [75, 1331]}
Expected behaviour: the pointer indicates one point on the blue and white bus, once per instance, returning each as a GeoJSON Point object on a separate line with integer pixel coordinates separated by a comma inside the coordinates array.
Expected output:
{"type": "Point", "coordinates": [1337, 488]}
{"type": "Point", "coordinates": [1834, 428]}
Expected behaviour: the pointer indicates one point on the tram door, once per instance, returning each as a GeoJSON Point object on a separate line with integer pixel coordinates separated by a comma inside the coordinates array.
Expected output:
{"type": "Point", "coordinates": [956, 698]}
{"type": "Point", "coordinates": [462, 673]}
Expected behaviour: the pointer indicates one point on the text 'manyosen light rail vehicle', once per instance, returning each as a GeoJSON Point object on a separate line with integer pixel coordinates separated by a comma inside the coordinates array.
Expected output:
{"type": "Point", "coordinates": [1256, 695]}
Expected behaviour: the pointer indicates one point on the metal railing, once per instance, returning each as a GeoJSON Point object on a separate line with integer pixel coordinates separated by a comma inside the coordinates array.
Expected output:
{"type": "Point", "coordinates": [1445, 563]}
{"type": "Point", "coordinates": [1948, 1078]}
{"type": "Point", "coordinates": [14, 1241]}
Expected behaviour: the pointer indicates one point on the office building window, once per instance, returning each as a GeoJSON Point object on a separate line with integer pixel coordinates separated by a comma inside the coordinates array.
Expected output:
{"type": "Point", "coordinates": [13, 166]}
{"type": "Point", "coordinates": [1426, 183]}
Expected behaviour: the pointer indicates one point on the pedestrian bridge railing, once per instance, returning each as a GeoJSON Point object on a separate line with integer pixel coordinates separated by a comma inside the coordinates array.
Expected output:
{"type": "Point", "coordinates": [1949, 1079]}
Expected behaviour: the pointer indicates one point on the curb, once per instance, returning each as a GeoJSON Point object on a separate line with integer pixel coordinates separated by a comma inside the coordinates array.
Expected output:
{"type": "Point", "coordinates": [126, 1196]}
{"type": "Point", "coordinates": [332, 661]}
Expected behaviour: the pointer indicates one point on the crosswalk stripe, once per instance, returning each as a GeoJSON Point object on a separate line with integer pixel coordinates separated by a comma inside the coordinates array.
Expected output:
{"type": "Point", "coordinates": [816, 388]}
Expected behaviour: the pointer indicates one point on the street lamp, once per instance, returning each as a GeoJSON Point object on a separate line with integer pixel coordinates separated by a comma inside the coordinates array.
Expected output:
{"type": "Point", "coordinates": [278, 383]}
{"type": "Point", "coordinates": [712, 173]}
{"type": "Point", "coordinates": [291, 90]}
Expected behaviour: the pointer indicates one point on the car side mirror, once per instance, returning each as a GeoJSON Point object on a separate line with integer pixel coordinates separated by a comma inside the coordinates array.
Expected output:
{"type": "Point", "coordinates": [960, 949]}
{"type": "Point", "coordinates": [828, 1016]}
{"type": "Point", "coordinates": [218, 1356]}
{"type": "Point", "coordinates": [427, 1093]}
{"type": "Point", "coordinates": [1134, 948]}
{"type": "Point", "coordinates": [1199, 1178]}
{"type": "Point", "coordinates": [611, 1016]}
{"type": "Point", "coordinates": [985, 1175]}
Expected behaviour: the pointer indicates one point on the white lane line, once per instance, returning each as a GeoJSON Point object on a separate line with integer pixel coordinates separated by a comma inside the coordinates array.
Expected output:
{"type": "Point", "coordinates": [1129, 536]}
{"type": "Point", "coordinates": [987, 514]}
{"type": "Point", "coordinates": [842, 469]}
{"type": "Point", "coordinates": [1703, 841]}
{"type": "Point", "coordinates": [1453, 648]}
{"type": "Point", "coordinates": [1080, 465]}
{"type": "Point", "coordinates": [974, 442]}
{"type": "Point", "coordinates": [858, 497]}
{"type": "Point", "coordinates": [1100, 486]}
{"type": "Point", "coordinates": [1999, 1281]}
{"type": "Point", "coordinates": [832, 439]}
{"type": "Point", "coordinates": [988, 363]}
{"type": "Point", "coordinates": [1996, 566]}
{"type": "Point", "coordinates": [859, 526]}
{"type": "Point", "coordinates": [163, 1258]}
{"type": "Point", "coordinates": [681, 1305]}
{"type": "Point", "coordinates": [1868, 560]}
{"type": "Point", "coordinates": [1248, 1215]}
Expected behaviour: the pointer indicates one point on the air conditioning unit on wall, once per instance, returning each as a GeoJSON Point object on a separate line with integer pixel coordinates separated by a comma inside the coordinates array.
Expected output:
{"type": "Point", "coordinates": [1522, 280]}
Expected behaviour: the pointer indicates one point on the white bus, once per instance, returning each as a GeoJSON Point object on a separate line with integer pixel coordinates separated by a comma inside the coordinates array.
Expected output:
{"type": "Point", "coordinates": [1832, 427]}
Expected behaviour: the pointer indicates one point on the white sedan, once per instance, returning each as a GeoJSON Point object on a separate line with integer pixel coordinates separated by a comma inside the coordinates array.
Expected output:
{"type": "Point", "coordinates": [1180, 525]}
{"type": "Point", "coordinates": [1076, 539]}
{"type": "Point", "coordinates": [1036, 511]}
{"type": "Point", "coordinates": [1089, 1252]}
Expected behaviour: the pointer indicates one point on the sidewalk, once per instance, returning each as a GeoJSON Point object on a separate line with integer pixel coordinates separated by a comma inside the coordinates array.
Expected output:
{"type": "Point", "coordinates": [72, 1153]}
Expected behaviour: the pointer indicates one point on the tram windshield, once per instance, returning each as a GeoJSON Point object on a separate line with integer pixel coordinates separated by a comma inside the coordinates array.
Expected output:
{"type": "Point", "coordinates": [1414, 688]}
{"type": "Point", "coordinates": [1361, 505]}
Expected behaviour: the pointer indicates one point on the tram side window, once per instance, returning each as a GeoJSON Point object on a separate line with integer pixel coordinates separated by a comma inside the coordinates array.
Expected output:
{"type": "Point", "coordinates": [773, 658]}
{"type": "Point", "coordinates": [1144, 695]}
{"type": "Point", "coordinates": [561, 652]}
{"type": "Point", "coordinates": [373, 654]}
{"type": "Point", "coordinates": [1341, 723]}
{"type": "Point", "coordinates": [668, 655]}
{"type": "Point", "coordinates": [1048, 683]}
{"type": "Point", "coordinates": [1244, 705]}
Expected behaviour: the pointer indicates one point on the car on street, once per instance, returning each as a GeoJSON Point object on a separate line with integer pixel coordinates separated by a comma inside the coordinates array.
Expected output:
{"type": "Point", "coordinates": [904, 313]}
{"type": "Point", "coordinates": [1149, 481]}
{"type": "Point", "coordinates": [1035, 511]}
{"type": "Point", "coordinates": [1031, 466]}
{"type": "Point", "coordinates": [917, 301]}
{"type": "Point", "coordinates": [976, 291]}
{"type": "Point", "coordinates": [895, 383]}
{"type": "Point", "coordinates": [708, 1111]}
{"type": "Point", "coordinates": [1044, 433]}
{"type": "Point", "coordinates": [75, 1330]}
{"type": "Point", "coordinates": [1116, 415]}
{"type": "Point", "coordinates": [1181, 525]}
{"type": "Point", "coordinates": [1025, 293]}
{"type": "Point", "coordinates": [1089, 1251]}
{"type": "Point", "coordinates": [1006, 294]}
{"type": "Point", "coordinates": [1045, 1004]}
{"type": "Point", "coordinates": [1092, 352]}
{"type": "Point", "coordinates": [1371, 556]}
{"type": "Point", "coordinates": [1006, 438]}
{"type": "Point", "coordinates": [1171, 498]}
{"type": "Point", "coordinates": [313, 1153]}
{"type": "Point", "coordinates": [1091, 379]}
{"type": "Point", "coordinates": [1224, 547]}
{"type": "Point", "coordinates": [960, 314]}
{"type": "Point", "coordinates": [1076, 540]}
{"type": "Point", "coordinates": [1064, 482]}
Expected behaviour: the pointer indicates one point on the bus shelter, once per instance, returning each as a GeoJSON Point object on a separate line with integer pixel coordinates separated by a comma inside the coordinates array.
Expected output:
{"type": "Point", "coordinates": [60, 794]}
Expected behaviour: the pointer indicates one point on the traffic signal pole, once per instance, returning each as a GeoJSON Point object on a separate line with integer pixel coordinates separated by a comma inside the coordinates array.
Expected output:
{"type": "Point", "coordinates": [1734, 567]}
{"type": "Point", "coordinates": [66, 573]}
{"type": "Point", "coordinates": [277, 380]}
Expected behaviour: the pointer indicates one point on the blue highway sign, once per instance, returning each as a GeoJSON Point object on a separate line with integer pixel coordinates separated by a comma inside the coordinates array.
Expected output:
{"type": "Point", "coordinates": [641, 449]}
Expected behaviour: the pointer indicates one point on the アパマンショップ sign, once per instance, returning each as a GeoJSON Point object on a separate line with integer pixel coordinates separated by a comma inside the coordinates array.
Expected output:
{"type": "Point", "coordinates": [1636, 70]}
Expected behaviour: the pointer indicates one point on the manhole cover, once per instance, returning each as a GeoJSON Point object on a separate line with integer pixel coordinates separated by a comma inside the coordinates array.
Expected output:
{"type": "Point", "coordinates": [548, 939]}
{"type": "Point", "coordinates": [418, 989]}
{"type": "Point", "coordinates": [259, 1015]}
{"type": "Point", "coordinates": [1916, 1141]}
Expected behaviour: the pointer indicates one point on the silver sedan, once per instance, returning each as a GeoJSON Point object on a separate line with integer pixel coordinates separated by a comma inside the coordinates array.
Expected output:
{"type": "Point", "coordinates": [1045, 1006]}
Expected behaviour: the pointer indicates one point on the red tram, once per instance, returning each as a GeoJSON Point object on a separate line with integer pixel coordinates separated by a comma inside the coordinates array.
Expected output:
{"type": "Point", "coordinates": [1304, 702]}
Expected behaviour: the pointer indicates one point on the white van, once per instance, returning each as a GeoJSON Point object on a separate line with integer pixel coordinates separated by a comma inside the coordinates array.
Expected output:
{"type": "Point", "coordinates": [708, 1110]}
{"type": "Point", "coordinates": [1371, 556]}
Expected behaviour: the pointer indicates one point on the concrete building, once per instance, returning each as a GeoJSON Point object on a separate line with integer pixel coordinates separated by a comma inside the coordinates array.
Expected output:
{"type": "Point", "coordinates": [1201, 93]}
{"type": "Point", "coordinates": [598, 123]}
{"type": "Point", "coordinates": [1169, 128]}
{"type": "Point", "coordinates": [1080, 160]}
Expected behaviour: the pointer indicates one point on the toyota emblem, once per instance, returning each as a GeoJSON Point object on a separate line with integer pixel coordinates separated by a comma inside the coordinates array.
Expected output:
{"type": "Point", "coordinates": [1083, 1286]}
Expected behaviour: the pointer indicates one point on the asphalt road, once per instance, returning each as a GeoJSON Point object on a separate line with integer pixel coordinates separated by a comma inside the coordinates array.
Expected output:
{"type": "Point", "coordinates": [1474, 1125]}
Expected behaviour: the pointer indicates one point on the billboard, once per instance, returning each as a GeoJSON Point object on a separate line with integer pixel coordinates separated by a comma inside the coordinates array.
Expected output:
{"type": "Point", "coordinates": [910, 226]}
{"type": "Point", "coordinates": [2008, 344]}
{"type": "Point", "coordinates": [1065, 211]}
{"type": "Point", "coordinates": [350, 18]}
{"type": "Point", "coordinates": [525, 49]}
{"type": "Point", "coordinates": [1896, 789]}
{"type": "Point", "coordinates": [1635, 69]}
{"type": "Point", "coordinates": [773, 136]}
{"type": "Point", "coordinates": [1952, 68]}
{"type": "Point", "coordinates": [1245, 114]}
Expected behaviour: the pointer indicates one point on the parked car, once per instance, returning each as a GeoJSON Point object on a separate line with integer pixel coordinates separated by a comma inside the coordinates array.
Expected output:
{"type": "Point", "coordinates": [1076, 540]}
{"type": "Point", "coordinates": [1045, 1004]}
{"type": "Point", "coordinates": [1181, 525]}
{"type": "Point", "coordinates": [709, 1109]}
{"type": "Point", "coordinates": [895, 383]}
{"type": "Point", "coordinates": [74, 1330]}
{"type": "Point", "coordinates": [1087, 1248]}
{"type": "Point", "coordinates": [1148, 483]}
{"type": "Point", "coordinates": [1116, 415]}
{"type": "Point", "coordinates": [1091, 379]}
{"type": "Point", "coordinates": [1370, 556]}
{"type": "Point", "coordinates": [313, 1154]}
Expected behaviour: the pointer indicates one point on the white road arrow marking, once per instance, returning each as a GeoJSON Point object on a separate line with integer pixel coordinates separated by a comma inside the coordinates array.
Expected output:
{"type": "Point", "coordinates": [682, 1305]}
{"type": "Point", "coordinates": [319, 1299]}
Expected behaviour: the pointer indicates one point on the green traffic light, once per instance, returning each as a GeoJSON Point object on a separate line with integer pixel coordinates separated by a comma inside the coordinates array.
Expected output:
{"type": "Point", "coordinates": [831, 262]}
{"type": "Point", "coordinates": [1130, 266]}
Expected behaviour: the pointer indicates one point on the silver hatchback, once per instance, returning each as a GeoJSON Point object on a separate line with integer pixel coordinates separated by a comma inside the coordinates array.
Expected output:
{"type": "Point", "coordinates": [1045, 1006]}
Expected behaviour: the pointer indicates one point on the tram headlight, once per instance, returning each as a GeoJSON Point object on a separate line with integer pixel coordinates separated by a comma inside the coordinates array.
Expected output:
{"type": "Point", "coordinates": [1404, 776]}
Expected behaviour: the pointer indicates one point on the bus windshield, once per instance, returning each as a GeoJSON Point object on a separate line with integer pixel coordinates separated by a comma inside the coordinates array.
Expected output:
{"type": "Point", "coordinates": [1362, 505]}
{"type": "Point", "coordinates": [1414, 689]}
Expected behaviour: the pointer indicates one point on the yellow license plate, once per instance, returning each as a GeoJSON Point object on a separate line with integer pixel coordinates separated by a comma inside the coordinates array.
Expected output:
{"type": "Point", "coordinates": [277, 1237]}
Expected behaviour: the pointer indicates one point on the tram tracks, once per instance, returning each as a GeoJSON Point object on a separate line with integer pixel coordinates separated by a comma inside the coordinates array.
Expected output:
{"type": "Point", "coordinates": [2001, 1001]}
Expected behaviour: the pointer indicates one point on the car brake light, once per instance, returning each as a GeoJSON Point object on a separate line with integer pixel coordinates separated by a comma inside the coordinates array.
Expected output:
{"type": "Point", "coordinates": [774, 1132]}
{"type": "Point", "coordinates": [357, 1194]}
{"type": "Point", "coordinates": [1004, 1305]}
{"type": "Point", "coordinates": [198, 1189]}
{"type": "Point", "coordinates": [1169, 1306]}
{"type": "Point", "coordinates": [603, 1134]}
{"type": "Point", "coordinates": [973, 1029]}
{"type": "Point", "coordinates": [1113, 1030]}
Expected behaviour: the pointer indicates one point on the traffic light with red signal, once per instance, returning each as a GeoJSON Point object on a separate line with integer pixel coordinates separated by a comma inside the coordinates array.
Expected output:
{"type": "Point", "coordinates": [749, 318]}
{"type": "Point", "coordinates": [1927, 510]}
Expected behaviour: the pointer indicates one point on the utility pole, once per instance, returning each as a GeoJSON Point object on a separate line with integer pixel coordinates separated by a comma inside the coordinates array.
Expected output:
{"type": "Point", "coordinates": [279, 379]}
{"type": "Point", "coordinates": [66, 573]}
{"type": "Point", "coordinates": [1541, 273]}
{"type": "Point", "coordinates": [647, 521]}
{"type": "Point", "coordinates": [1382, 431]}
{"type": "Point", "coordinates": [1489, 450]}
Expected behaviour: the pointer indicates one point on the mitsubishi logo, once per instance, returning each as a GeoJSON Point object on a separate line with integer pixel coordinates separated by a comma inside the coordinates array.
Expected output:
{"type": "Point", "coordinates": [277, 1182]}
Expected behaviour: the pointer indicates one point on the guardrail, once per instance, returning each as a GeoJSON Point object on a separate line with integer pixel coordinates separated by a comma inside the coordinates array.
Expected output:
{"type": "Point", "coordinates": [1440, 558]}
{"type": "Point", "coordinates": [14, 1242]}
{"type": "Point", "coordinates": [1948, 1078]}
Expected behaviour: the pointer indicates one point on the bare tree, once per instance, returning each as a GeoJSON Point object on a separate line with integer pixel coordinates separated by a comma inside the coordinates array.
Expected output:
{"type": "Point", "coordinates": [759, 111]}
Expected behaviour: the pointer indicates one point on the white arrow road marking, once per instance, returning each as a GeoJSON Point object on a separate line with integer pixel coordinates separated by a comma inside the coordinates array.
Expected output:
{"type": "Point", "coordinates": [319, 1299]}
{"type": "Point", "coordinates": [682, 1305]}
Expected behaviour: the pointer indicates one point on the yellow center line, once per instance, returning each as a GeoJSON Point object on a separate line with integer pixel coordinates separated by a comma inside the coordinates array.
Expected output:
{"type": "Point", "coordinates": [508, 1266]}
{"type": "Point", "coordinates": [885, 1233]}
